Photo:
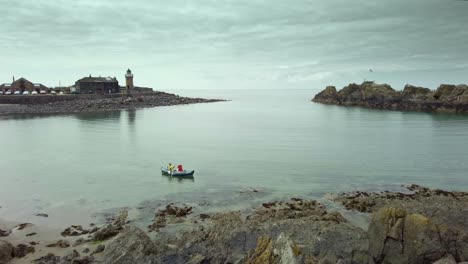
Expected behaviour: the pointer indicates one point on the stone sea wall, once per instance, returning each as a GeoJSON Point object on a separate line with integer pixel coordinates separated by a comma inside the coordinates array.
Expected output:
{"type": "Point", "coordinates": [445, 99]}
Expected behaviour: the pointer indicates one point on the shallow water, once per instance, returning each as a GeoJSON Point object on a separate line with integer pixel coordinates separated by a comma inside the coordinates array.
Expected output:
{"type": "Point", "coordinates": [72, 166]}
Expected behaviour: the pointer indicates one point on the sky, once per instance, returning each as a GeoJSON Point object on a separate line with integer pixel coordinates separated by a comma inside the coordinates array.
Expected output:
{"type": "Point", "coordinates": [236, 44]}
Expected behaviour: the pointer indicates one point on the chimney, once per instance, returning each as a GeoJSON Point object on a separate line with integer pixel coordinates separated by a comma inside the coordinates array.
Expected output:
{"type": "Point", "coordinates": [13, 78]}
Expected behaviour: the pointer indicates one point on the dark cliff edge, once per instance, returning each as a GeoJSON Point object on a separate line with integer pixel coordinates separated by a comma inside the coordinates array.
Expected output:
{"type": "Point", "coordinates": [445, 99]}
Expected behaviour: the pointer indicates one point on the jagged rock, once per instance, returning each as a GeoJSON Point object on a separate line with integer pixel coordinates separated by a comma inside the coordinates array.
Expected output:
{"type": "Point", "coordinates": [83, 260]}
{"type": "Point", "coordinates": [197, 259]}
{"type": "Point", "coordinates": [60, 243]}
{"type": "Point", "coordinates": [107, 232]}
{"type": "Point", "coordinates": [121, 218]}
{"type": "Point", "coordinates": [281, 251]}
{"type": "Point", "coordinates": [70, 256]}
{"type": "Point", "coordinates": [78, 242]}
{"type": "Point", "coordinates": [74, 230]}
{"type": "Point", "coordinates": [22, 250]}
{"type": "Point", "coordinates": [398, 237]}
{"type": "Point", "coordinates": [169, 214]}
{"type": "Point", "coordinates": [100, 248]}
{"type": "Point", "coordinates": [50, 258]}
{"type": "Point", "coordinates": [131, 246]}
{"type": "Point", "coordinates": [447, 260]}
{"type": "Point", "coordinates": [23, 226]}
{"type": "Point", "coordinates": [6, 251]}
{"type": "Point", "coordinates": [4, 233]}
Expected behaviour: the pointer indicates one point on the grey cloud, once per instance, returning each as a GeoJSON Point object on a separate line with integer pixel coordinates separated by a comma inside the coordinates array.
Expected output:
{"type": "Point", "coordinates": [213, 40]}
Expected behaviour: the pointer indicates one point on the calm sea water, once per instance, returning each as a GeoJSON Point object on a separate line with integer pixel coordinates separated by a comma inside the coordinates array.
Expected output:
{"type": "Point", "coordinates": [276, 140]}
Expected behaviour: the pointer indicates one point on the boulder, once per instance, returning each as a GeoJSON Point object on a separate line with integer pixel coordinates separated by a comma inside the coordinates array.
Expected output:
{"type": "Point", "coordinates": [121, 218]}
{"type": "Point", "coordinates": [398, 237]}
{"type": "Point", "coordinates": [6, 252]}
{"type": "Point", "coordinates": [279, 251]}
{"type": "Point", "coordinates": [131, 246]}
{"type": "Point", "coordinates": [61, 244]}
{"type": "Point", "coordinates": [4, 233]}
{"type": "Point", "coordinates": [106, 232]}
{"type": "Point", "coordinates": [22, 250]}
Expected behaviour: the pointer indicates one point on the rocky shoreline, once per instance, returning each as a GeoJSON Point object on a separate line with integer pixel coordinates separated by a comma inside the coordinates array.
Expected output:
{"type": "Point", "coordinates": [99, 104]}
{"type": "Point", "coordinates": [418, 225]}
{"type": "Point", "coordinates": [446, 99]}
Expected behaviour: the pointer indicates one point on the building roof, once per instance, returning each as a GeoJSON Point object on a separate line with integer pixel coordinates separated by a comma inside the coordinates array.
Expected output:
{"type": "Point", "coordinates": [98, 79]}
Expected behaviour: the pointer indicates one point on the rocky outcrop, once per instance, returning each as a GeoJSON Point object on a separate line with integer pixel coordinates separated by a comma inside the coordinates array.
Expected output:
{"type": "Point", "coordinates": [447, 98]}
{"type": "Point", "coordinates": [285, 231]}
{"type": "Point", "coordinates": [170, 214]}
{"type": "Point", "coordinates": [442, 207]}
{"type": "Point", "coordinates": [398, 237]}
{"type": "Point", "coordinates": [131, 246]}
{"type": "Point", "coordinates": [61, 244]}
{"type": "Point", "coordinates": [4, 233]}
{"type": "Point", "coordinates": [21, 250]}
{"type": "Point", "coordinates": [6, 252]}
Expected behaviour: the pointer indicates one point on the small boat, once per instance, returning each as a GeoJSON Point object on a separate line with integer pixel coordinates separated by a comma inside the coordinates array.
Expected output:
{"type": "Point", "coordinates": [184, 173]}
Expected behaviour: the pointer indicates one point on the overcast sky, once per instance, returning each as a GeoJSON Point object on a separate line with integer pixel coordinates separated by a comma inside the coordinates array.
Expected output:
{"type": "Point", "coordinates": [236, 43]}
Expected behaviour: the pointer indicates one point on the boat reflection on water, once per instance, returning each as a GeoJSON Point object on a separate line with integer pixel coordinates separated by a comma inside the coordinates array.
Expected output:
{"type": "Point", "coordinates": [179, 179]}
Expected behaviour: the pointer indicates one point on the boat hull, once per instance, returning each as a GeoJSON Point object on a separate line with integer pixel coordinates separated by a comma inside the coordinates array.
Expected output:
{"type": "Point", "coordinates": [176, 173]}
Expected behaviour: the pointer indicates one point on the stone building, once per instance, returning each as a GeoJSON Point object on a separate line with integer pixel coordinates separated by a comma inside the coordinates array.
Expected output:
{"type": "Point", "coordinates": [22, 85]}
{"type": "Point", "coordinates": [97, 85]}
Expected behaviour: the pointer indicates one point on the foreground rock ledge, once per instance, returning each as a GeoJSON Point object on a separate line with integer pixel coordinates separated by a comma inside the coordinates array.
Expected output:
{"type": "Point", "coordinates": [417, 225]}
{"type": "Point", "coordinates": [61, 104]}
{"type": "Point", "coordinates": [446, 99]}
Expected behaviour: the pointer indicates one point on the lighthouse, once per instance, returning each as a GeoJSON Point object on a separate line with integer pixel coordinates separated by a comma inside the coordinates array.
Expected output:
{"type": "Point", "coordinates": [129, 82]}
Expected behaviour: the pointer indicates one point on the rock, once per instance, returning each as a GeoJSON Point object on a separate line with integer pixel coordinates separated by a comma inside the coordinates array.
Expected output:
{"type": "Point", "coordinates": [71, 255]}
{"type": "Point", "coordinates": [6, 251]}
{"type": "Point", "coordinates": [197, 259]}
{"type": "Point", "coordinates": [398, 237]}
{"type": "Point", "coordinates": [281, 251]}
{"type": "Point", "coordinates": [107, 232]}
{"type": "Point", "coordinates": [80, 241]}
{"type": "Point", "coordinates": [83, 260]}
{"type": "Point", "coordinates": [447, 98]}
{"type": "Point", "coordinates": [131, 246]}
{"type": "Point", "coordinates": [121, 218]}
{"type": "Point", "coordinates": [50, 258]}
{"type": "Point", "coordinates": [60, 244]}
{"type": "Point", "coordinates": [23, 226]}
{"type": "Point", "coordinates": [22, 250]}
{"type": "Point", "coordinates": [86, 250]}
{"type": "Point", "coordinates": [100, 248]}
{"type": "Point", "coordinates": [74, 230]}
{"type": "Point", "coordinates": [4, 233]}
{"type": "Point", "coordinates": [447, 260]}
{"type": "Point", "coordinates": [31, 234]}
{"type": "Point", "coordinates": [204, 216]}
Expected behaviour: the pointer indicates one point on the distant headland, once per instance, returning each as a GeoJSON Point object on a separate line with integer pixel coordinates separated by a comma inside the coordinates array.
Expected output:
{"type": "Point", "coordinates": [88, 94]}
{"type": "Point", "coordinates": [445, 99]}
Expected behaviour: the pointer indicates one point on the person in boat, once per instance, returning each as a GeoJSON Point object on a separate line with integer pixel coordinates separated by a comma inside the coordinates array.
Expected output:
{"type": "Point", "coordinates": [170, 167]}
{"type": "Point", "coordinates": [180, 168]}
